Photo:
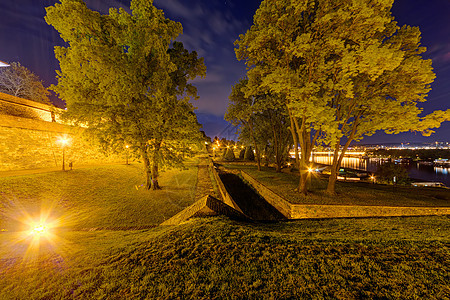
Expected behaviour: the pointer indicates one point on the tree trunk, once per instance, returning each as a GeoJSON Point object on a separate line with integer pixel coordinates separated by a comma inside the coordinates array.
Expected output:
{"type": "Point", "coordinates": [155, 177]}
{"type": "Point", "coordinates": [276, 144]}
{"type": "Point", "coordinates": [302, 166]}
{"type": "Point", "coordinates": [258, 157]}
{"type": "Point", "coordinates": [155, 162]}
{"type": "Point", "coordinates": [266, 161]}
{"type": "Point", "coordinates": [143, 151]}
{"type": "Point", "coordinates": [331, 188]}
{"type": "Point", "coordinates": [294, 137]}
{"type": "Point", "coordinates": [337, 159]}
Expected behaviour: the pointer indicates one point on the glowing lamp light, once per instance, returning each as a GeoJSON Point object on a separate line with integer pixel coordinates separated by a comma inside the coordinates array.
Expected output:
{"type": "Point", "coordinates": [310, 170]}
{"type": "Point", "coordinates": [38, 229]}
{"type": "Point", "coordinates": [289, 164]}
{"type": "Point", "coordinates": [64, 141]}
{"type": "Point", "coordinates": [127, 146]}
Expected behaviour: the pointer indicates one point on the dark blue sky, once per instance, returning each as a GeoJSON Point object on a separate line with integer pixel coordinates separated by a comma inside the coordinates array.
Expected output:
{"type": "Point", "coordinates": [210, 28]}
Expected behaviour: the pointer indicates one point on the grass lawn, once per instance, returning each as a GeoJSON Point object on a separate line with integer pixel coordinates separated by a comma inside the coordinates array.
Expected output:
{"type": "Point", "coordinates": [215, 258]}
{"type": "Point", "coordinates": [210, 258]}
{"type": "Point", "coordinates": [348, 193]}
{"type": "Point", "coordinates": [97, 197]}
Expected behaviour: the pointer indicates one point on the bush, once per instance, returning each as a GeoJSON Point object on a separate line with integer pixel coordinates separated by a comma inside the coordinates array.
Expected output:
{"type": "Point", "coordinates": [249, 155]}
{"type": "Point", "coordinates": [229, 155]}
{"type": "Point", "coordinates": [387, 172]}
{"type": "Point", "coordinates": [242, 153]}
{"type": "Point", "coordinates": [224, 153]}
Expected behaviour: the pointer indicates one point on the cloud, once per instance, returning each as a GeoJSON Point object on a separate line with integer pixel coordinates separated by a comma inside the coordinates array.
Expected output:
{"type": "Point", "coordinates": [210, 28]}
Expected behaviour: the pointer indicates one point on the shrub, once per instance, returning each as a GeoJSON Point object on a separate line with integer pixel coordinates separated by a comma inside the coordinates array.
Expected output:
{"type": "Point", "coordinates": [229, 155]}
{"type": "Point", "coordinates": [387, 172]}
{"type": "Point", "coordinates": [249, 155]}
{"type": "Point", "coordinates": [242, 153]}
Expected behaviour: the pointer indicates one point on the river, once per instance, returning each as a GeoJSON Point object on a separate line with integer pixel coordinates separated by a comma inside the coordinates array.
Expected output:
{"type": "Point", "coordinates": [416, 170]}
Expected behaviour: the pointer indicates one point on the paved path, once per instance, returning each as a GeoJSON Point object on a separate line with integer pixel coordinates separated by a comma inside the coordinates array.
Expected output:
{"type": "Point", "coordinates": [204, 184]}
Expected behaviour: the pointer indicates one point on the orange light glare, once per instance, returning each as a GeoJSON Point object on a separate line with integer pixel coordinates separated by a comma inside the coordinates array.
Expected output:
{"type": "Point", "coordinates": [38, 229]}
{"type": "Point", "coordinates": [63, 140]}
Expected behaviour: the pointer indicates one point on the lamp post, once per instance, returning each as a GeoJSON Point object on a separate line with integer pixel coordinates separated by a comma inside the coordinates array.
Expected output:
{"type": "Point", "coordinates": [127, 146]}
{"type": "Point", "coordinates": [64, 141]}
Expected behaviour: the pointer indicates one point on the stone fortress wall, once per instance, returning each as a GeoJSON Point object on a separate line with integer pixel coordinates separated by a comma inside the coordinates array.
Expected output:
{"type": "Point", "coordinates": [29, 133]}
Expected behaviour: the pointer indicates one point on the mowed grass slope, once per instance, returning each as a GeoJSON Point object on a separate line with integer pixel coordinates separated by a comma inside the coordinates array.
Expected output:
{"type": "Point", "coordinates": [215, 258]}
{"type": "Point", "coordinates": [211, 258]}
{"type": "Point", "coordinates": [98, 197]}
{"type": "Point", "coordinates": [348, 193]}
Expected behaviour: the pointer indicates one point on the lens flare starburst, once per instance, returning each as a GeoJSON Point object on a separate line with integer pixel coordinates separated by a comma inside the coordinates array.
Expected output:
{"type": "Point", "coordinates": [32, 233]}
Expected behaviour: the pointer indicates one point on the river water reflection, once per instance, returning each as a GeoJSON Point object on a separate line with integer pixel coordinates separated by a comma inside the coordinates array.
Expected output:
{"type": "Point", "coordinates": [416, 170]}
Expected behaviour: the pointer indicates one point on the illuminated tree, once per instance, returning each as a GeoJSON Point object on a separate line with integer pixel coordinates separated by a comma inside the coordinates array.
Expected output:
{"type": "Point", "coordinates": [119, 77]}
{"type": "Point", "coordinates": [344, 68]}
{"type": "Point", "coordinates": [17, 80]}
{"type": "Point", "coordinates": [286, 61]}
{"type": "Point", "coordinates": [241, 111]}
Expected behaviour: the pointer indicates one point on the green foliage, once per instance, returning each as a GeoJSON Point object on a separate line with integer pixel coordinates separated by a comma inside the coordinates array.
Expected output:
{"type": "Point", "coordinates": [342, 68]}
{"type": "Point", "coordinates": [240, 109]}
{"type": "Point", "coordinates": [386, 173]}
{"type": "Point", "coordinates": [120, 77]}
{"type": "Point", "coordinates": [17, 80]}
{"type": "Point", "coordinates": [249, 155]}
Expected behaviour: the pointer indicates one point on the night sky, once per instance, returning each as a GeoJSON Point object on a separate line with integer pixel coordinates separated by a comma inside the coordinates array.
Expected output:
{"type": "Point", "coordinates": [210, 28]}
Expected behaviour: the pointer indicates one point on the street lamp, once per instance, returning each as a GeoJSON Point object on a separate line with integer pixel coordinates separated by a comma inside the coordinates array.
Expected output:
{"type": "Point", "coordinates": [64, 141]}
{"type": "Point", "coordinates": [127, 146]}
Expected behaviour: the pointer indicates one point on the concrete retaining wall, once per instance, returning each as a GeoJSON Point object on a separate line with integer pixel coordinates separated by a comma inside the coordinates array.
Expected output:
{"type": "Point", "coordinates": [274, 199]}
{"type": "Point", "coordinates": [227, 199]}
{"type": "Point", "coordinates": [299, 211]}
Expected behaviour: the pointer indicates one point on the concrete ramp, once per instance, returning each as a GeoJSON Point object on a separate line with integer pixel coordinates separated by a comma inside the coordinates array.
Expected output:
{"type": "Point", "coordinates": [205, 207]}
